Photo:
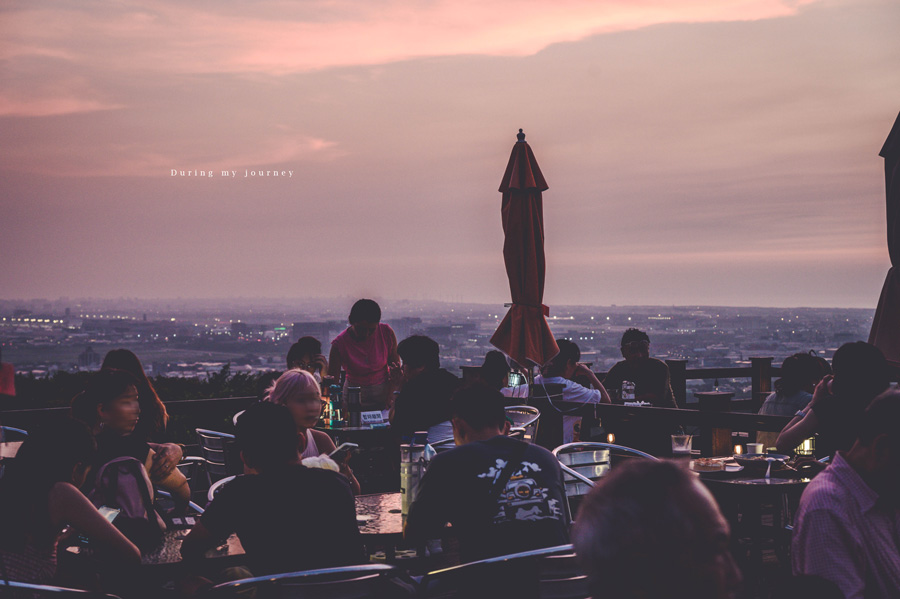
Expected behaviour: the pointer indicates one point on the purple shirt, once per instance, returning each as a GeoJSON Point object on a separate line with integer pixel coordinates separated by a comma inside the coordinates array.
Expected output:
{"type": "Point", "coordinates": [843, 534]}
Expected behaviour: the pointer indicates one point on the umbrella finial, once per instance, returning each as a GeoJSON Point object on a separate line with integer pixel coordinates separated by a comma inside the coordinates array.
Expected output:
{"type": "Point", "coordinates": [520, 136]}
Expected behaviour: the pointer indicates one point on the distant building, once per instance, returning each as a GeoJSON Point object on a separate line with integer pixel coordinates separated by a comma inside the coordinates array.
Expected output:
{"type": "Point", "coordinates": [88, 358]}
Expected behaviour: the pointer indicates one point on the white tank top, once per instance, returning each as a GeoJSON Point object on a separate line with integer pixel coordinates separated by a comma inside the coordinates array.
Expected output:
{"type": "Point", "coordinates": [311, 450]}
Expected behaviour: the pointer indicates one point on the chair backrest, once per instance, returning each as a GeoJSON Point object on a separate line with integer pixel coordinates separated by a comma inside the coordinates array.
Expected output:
{"type": "Point", "coordinates": [350, 582]}
{"type": "Point", "coordinates": [444, 444]}
{"type": "Point", "coordinates": [9, 433]}
{"type": "Point", "coordinates": [216, 486]}
{"type": "Point", "coordinates": [584, 463]}
{"type": "Point", "coordinates": [194, 470]}
{"type": "Point", "coordinates": [234, 418]}
{"type": "Point", "coordinates": [543, 398]}
{"type": "Point", "coordinates": [25, 590]}
{"type": "Point", "coordinates": [526, 417]}
{"type": "Point", "coordinates": [216, 449]}
{"type": "Point", "coordinates": [543, 573]}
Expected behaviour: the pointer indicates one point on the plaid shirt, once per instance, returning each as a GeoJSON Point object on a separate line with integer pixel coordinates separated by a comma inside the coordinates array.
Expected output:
{"type": "Point", "coordinates": [845, 535]}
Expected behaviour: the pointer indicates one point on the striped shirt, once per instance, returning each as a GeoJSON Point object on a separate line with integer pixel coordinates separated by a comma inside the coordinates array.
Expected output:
{"type": "Point", "coordinates": [844, 534]}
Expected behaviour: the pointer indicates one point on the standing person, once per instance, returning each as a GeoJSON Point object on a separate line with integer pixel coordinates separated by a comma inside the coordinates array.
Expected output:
{"type": "Point", "coordinates": [424, 399]}
{"type": "Point", "coordinates": [500, 494]}
{"type": "Point", "coordinates": [306, 355]}
{"type": "Point", "coordinates": [848, 520]}
{"type": "Point", "coordinates": [288, 517]}
{"type": "Point", "coordinates": [39, 496]}
{"type": "Point", "coordinates": [560, 370]}
{"type": "Point", "coordinates": [151, 427]}
{"type": "Point", "coordinates": [299, 391]}
{"type": "Point", "coordinates": [836, 409]}
{"type": "Point", "coordinates": [366, 351]}
{"type": "Point", "coordinates": [651, 378]}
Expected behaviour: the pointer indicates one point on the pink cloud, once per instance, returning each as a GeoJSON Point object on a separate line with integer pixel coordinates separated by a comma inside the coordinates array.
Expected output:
{"type": "Point", "coordinates": [176, 38]}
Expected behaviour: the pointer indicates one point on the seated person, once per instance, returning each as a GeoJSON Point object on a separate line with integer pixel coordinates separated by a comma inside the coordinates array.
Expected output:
{"type": "Point", "coordinates": [299, 392]}
{"type": "Point", "coordinates": [650, 376]}
{"type": "Point", "coordinates": [39, 496]}
{"type": "Point", "coordinates": [307, 355]}
{"type": "Point", "coordinates": [424, 399]}
{"type": "Point", "coordinates": [652, 529]}
{"type": "Point", "coordinates": [501, 495]}
{"type": "Point", "coordinates": [846, 526]}
{"type": "Point", "coordinates": [495, 371]}
{"type": "Point", "coordinates": [111, 405]}
{"type": "Point", "coordinates": [860, 374]}
{"type": "Point", "coordinates": [800, 373]}
{"type": "Point", "coordinates": [560, 370]}
{"type": "Point", "coordinates": [288, 517]}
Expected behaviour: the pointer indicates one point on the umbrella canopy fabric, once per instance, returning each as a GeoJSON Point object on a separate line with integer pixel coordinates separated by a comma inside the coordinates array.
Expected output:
{"type": "Point", "coordinates": [524, 334]}
{"type": "Point", "coordinates": [885, 333]}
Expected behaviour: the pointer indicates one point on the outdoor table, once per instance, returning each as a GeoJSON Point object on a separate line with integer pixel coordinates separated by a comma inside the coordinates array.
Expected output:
{"type": "Point", "coordinates": [377, 464]}
{"type": "Point", "coordinates": [378, 516]}
{"type": "Point", "coordinates": [380, 521]}
{"type": "Point", "coordinates": [740, 493]}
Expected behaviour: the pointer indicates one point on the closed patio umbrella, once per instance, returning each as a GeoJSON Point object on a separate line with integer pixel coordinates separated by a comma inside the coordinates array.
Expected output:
{"type": "Point", "coordinates": [524, 334]}
{"type": "Point", "coordinates": [885, 333]}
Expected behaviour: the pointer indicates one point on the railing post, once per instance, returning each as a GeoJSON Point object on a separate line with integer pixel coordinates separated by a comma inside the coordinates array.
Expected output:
{"type": "Point", "coordinates": [761, 377]}
{"type": "Point", "coordinates": [678, 378]}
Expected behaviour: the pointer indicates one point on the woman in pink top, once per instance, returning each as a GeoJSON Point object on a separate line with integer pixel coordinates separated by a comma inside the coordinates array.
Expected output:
{"type": "Point", "coordinates": [366, 351]}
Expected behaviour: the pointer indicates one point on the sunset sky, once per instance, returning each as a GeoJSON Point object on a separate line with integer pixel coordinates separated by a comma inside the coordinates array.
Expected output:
{"type": "Point", "coordinates": [715, 152]}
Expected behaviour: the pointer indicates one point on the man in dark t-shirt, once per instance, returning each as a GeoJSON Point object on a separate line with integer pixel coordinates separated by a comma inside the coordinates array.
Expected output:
{"type": "Point", "coordinates": [501, 495]}
{"type": "Point", "coordinates": [288, 517]}
{"type": "Point", "coordinates": [652, 382]}
{"type": "Point", "coordinates": [424, 399]}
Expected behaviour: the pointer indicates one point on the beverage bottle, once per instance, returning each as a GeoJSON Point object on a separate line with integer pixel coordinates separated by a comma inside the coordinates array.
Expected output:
{"type": "Point", "coordinates": [627, 391]}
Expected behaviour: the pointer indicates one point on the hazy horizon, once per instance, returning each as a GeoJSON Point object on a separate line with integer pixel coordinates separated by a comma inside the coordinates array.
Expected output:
{"type": "Point", "coordinates": [698, 152]}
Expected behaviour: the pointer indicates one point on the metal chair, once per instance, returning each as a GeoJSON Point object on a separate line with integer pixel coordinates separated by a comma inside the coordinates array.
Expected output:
{"type": "Point", "coordinates": [161, 494]}
{"type": "Point", "coordinates": [12, 436]}
{"type": "Point", "coordinates": [549, 573]}
{"type": "Point", "coordinates": [217, 449]}
{"type": "Point", "coordinates": [444, 444]}
{"type": "Point", "coordinates": [9, 433]}
{"type": "Point", "coordinates": [349, 582]}
{"type": "Point", "coordinates": [214, 488]}
{"type": "Point", "coordinates": [194, 470]}
{"type": "Point", "coordinates": [526, 417]}
{"type": "Point", "coordinates": [25, 590]}
{"type": "Point", "coordinates": [234, 418]}
{"type": "Point", "coordinates": [583, 463]}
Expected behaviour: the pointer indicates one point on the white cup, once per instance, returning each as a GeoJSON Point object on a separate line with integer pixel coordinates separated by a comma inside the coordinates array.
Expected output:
{"type": "Point", "coordinates": [755, 448]}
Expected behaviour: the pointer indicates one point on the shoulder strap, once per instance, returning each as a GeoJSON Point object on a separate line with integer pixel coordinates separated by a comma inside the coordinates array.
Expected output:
{"type": "Point", "coordinates": [514, 460]}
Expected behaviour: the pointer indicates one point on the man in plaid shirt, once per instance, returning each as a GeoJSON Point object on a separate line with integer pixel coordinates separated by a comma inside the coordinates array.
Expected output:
{"type": "Point", "coordinates": [848, 524]}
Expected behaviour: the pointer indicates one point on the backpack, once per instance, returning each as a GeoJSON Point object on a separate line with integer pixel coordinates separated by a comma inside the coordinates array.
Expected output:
{"type": "Point", "coordinates": [123, 483]}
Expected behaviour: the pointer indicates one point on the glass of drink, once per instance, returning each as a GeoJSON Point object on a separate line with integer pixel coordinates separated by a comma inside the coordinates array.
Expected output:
{"type": "Point", "coordinates": [681, 446]}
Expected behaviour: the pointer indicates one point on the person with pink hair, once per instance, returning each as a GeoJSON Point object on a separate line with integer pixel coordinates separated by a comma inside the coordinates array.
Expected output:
{"type": "Point", "coordinates": [299, 391]}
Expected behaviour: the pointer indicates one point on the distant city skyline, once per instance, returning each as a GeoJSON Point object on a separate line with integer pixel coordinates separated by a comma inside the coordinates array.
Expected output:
{"type": "Point", "coordinates": [708, 152]}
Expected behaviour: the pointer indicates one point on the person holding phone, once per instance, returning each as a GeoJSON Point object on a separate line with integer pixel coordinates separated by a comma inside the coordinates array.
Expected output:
{"type": "Point", "coordinates": [299, 391]}
{"type": "Point", "coordinates": [39, 496]}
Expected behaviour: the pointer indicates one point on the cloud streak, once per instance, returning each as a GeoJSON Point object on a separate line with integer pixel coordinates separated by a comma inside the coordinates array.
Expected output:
{"type": "Point", "coordinates": [278, 38]}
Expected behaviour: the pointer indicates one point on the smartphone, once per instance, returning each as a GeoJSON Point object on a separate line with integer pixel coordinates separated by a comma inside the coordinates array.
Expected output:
{"type": "Point", "coordinates": [342, 450]}
{"type": "Point", "coordinates": [109, 513]}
